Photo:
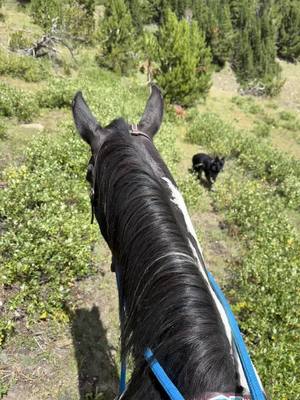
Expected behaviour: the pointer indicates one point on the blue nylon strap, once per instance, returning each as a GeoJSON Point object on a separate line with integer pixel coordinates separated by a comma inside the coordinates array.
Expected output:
{"type": "Point", "coordinates": [254, 385]}
{"type": "Point", "coordinates": [162, 377]}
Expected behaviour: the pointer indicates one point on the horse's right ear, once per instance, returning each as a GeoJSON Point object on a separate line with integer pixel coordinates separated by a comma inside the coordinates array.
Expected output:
{"type": "Point", "coordinates": [153, 113]}
{"type": "Point", "coordinates": [86, 124]}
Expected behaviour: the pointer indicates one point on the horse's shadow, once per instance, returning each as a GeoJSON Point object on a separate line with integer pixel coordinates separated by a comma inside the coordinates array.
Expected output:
{"type": "Point", "coordinates": [97, 372]}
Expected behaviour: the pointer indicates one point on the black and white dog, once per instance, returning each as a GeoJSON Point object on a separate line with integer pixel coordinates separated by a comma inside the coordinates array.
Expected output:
{"type": "Point", "coordinates": [210, 166]}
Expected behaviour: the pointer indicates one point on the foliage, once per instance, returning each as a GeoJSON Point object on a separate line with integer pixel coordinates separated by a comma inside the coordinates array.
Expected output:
{"type": "Point", "coordinates": [247, 104]}
{"type": "Point", "coordinates": [18, 40]}
{"type": "Point", "coordinates": [45, 12]}
{"type": "Point", "coordinates": [17, 103]}
{"type": "Point", "coordinates": [288, 38]}
{"type": "Point", "coordinates": [261, 129]}
{"type": "Point", "coordinates": [118, 36]}
{"type": "Point", "coordinates": [74, 17]}
{"type": "Point", "coordinates": [59, 93]}
{"type": "Point", "coordinates": [214, 20]}
{"type": "Point", "coordinates": [184, 61]}
{"type": "Point", "coordinates": [265, 285]}
{"type": "Point", "coordinates": [47, 236]}
{"type": "Point", "coordinates": [3, 128]}
{"type": "Point", "coordinates": [254, 52]}
{"type": "Point", "coordinates": [27, 68]}
{"type": "Point", "coordinates": [191, 191]}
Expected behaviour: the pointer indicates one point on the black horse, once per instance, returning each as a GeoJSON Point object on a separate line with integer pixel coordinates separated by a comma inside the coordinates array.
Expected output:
{"type": "Point", "coordinates": [170, 307]}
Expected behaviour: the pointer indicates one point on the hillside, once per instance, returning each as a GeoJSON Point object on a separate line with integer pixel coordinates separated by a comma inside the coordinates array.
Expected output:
{"type": "Point", "coordinates": [59, 319]}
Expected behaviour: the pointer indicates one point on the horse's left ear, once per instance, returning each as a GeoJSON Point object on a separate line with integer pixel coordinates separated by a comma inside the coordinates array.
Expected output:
{"type": "Point", "coordinates": [153, 113]}
{"type": "Point", "coordinates": [86, 124]}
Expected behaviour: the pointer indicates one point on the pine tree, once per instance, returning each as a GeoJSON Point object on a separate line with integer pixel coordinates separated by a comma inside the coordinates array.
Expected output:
{"type": "Point", "coordinates": [118, 35]}
{"type": "Point", "coordinates": [254, 58]}
{"type": "Point", "coordinates": [184, 61]}
{"type": "Point", "coordinates": [288, 38]}
{"type": "Point", "coordinates": [140, 13]}
{"type": "Point", "coordinates": [219, 34]}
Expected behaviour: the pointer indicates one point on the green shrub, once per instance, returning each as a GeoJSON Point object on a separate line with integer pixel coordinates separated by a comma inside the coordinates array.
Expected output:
{"type": "Point", "coordinates": [72, 16]}
{"type": "Point", "coordinates": [47, 237]}
{"type": "Point", "coordinates": [262, 130]}
{"type": "Point", "coordinates": [265, 285]}
{"type": "Point", "coordinates": [289, 121]}
{"type": "Point", "coordinates": [24, 67]}
{"type": "Point", "coordinates": [59, 93]}
{"type": "Point", "coordinates": [45, 12]}
{"type": "Point", "coordinates": [247, 104]}
{"type": "Point", "coordinates": [192, 192]}
{"type": "Point", "coordinates": [17, 103]}
{"type": "Point", "coordinates": [19, 40]}
{"type": "Point", "coordinates": [3, 130]}
{"type": "Point", "coordinates": [209, 130]}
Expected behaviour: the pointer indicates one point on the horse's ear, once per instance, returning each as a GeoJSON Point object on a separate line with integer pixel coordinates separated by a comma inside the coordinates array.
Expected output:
{"type": "Point", "coordinates": [153, 113]}
{"type": "Point", "coordinates": [86, 124]}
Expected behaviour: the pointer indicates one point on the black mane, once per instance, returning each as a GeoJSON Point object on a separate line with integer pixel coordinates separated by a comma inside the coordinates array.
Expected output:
{"type": "Point", "coordinates": [169, 306]}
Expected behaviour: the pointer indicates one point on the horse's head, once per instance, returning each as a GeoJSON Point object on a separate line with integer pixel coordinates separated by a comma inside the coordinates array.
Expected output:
{"type": "Point", "coordinates": [95, 135]}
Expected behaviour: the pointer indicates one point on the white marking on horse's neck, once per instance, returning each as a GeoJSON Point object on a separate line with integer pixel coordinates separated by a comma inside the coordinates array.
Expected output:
{"type": "Point", "coordinates": [180, 203]}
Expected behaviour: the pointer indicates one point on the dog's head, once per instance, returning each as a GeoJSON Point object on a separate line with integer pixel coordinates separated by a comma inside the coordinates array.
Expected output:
{"type": "Point", "coordinates": [216, 166]}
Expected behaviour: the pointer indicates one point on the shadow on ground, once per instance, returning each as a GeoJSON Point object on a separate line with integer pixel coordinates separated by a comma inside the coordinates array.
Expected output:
{"type": "Point", "coordinates": [97, 372]}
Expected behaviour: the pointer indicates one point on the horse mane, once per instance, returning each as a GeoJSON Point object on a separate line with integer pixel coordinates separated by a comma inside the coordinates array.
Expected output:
{"type": "Point", "coordinates": [169, 306]}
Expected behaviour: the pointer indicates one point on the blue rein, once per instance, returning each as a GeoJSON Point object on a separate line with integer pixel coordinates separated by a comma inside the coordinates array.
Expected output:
{"type": "Point", "coordinates": [160, 374]}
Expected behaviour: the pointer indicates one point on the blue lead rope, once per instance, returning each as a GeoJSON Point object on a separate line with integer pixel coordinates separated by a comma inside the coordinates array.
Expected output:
{"type": "Point", "coordinates": [162, 377]}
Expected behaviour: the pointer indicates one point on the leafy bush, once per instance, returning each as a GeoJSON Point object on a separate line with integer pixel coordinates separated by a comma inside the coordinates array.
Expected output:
{"type": "Point", "coordinates": [266, 282]}
{"type": "Point", "coordinates": [44, 12]}
{"type": "Point", "coordinates": [17, 103]}
{"type": "Point", "coordinates": [72, 16]}
{"type": "Point", "coordinates": [47, 237]}
{"type": "Point", "coordinates": [192, 192]}
{"type": "Point", "coordinates": [289, 121]}
{"type": "Point", "coordinates": [247, 104]}
{"type": "Point", "coordinates": [59, 93]}
{"type": "Point", "coordinates": [27, 68]}
{"type": "Point", "coordinates": [3, 134]}
{"type": "Point", "coordinates": [262, 130]}
{"type": "Point", "coordinates": [18, 40]}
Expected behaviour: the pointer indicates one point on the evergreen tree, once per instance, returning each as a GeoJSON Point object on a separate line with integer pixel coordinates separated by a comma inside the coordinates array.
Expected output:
{"type": "Point", "coordinates": [184, 61]}
{"type": "Point", "coordinates": [157, 10]}
{"type": "Point", "coordinates": [288, 38]}
{"type": "Point", "coordinates": [254, 59]}
{"type": "Point", "coordinates": [140, 13]}
{"type": "Point", "coordinates": [214, 19]}
{"type": "Point", "coordinates": [118, 35]}
{"type": "Point", "coordinates": [219, 34]}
